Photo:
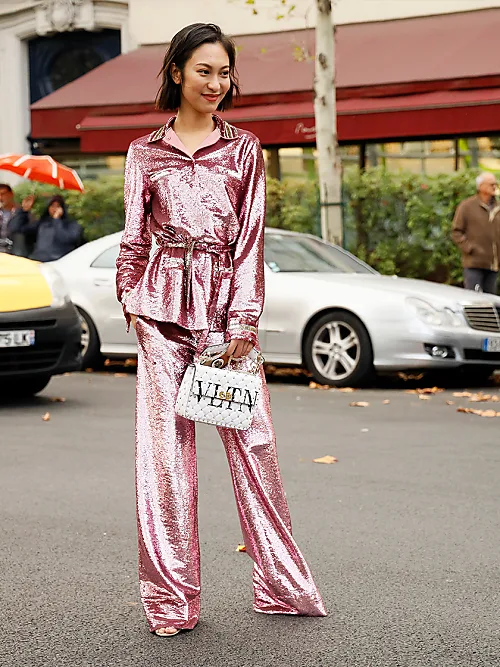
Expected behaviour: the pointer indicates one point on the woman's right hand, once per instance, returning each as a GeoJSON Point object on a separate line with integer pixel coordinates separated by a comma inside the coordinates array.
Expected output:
{"type": "Point", "coordinates": [58, 213]}
{"type": "Point", "coordinates": [133, 319]}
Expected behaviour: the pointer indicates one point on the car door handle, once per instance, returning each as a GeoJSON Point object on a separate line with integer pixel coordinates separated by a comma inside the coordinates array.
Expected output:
{"type": "Point", "coordinates": [102, 282]}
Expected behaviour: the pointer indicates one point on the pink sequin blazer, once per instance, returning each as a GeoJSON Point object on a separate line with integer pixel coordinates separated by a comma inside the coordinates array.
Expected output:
{"type": "Point", "coordinates": [206, 215]}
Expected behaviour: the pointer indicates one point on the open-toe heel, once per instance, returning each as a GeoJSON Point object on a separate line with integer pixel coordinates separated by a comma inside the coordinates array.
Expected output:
{"type": "Point", "coordinates": [158, 632]}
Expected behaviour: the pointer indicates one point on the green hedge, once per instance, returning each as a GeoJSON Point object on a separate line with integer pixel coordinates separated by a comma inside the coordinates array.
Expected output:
{"type": "Point", "coordinates": [99, 210]}
{"type": "Point", "coordinates": [398, 223]}
{"type": "Point", "coordinates": [401, 223]}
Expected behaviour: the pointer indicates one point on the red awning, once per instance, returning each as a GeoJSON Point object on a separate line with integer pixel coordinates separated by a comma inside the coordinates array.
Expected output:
{"type": "Point", "coordinates": [381, 59]}
{"type": "Point", "coordinates": [446, 113]}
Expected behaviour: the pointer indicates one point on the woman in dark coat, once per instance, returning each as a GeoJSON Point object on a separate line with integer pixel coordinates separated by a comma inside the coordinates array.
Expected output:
{"type": "Point", "coordinates": [55, 234]}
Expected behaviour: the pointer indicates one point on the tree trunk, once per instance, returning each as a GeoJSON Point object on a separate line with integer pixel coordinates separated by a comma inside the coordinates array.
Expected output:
{"type": "Point", "coordinates": [325, 110]}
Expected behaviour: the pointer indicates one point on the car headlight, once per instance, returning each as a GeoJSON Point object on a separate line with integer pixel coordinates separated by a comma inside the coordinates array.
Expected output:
{"type": "Point", "coordinates": [453, 318]}
{"type": "Point", "coordinates": [60, 294]}
{"type": "Point", "coordinates": [433, 316]}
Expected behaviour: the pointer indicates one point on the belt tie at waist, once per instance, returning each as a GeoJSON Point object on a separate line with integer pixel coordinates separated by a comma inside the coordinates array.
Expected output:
{"type": "Point", "coordinates": [189, 246]}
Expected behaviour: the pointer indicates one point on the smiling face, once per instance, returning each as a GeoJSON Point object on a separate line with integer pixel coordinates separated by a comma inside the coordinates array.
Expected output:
{"type": "Point", "coordinates": [205, 79]}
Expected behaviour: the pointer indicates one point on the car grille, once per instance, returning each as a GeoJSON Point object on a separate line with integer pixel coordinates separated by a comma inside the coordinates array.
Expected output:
{"type": "Point", "coordinates": [33, 358]}
{"type": "Point", "coordinates": [28, 324]}
{"type": "Point", "coordinates": [479, 355]}
{"type": "Point", "coordinates": [483, 318]}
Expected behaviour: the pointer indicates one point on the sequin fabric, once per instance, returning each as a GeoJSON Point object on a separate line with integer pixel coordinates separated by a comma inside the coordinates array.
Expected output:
{"type": "Point", "coordinates": [195, 207]}
{"type": "Point", "coordinates": [206, 215]}
{"type": "Point", "coordinates": [167, 493]}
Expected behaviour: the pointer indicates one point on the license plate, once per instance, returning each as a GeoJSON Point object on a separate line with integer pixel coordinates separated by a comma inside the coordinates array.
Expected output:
{"type": "Point", "coordinates": [491, 345]}
{"type": "Point", "coordinates": [17, 338]}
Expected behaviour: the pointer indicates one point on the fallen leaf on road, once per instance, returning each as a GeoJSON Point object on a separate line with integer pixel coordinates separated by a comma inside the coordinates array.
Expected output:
{"type": "Point", "coordinates": [450, 402]}
{"type": "Point", "coordinates": [347, 390]}
{"type": "Point", "coordinates": [120, 375]}
{"type": "Point", "coordinates": [57, 399]}
{"type": "Point", "coordinates": [424, 397]}
{"type": "Point", "coordinates": [479, 413]}
{"type": "Point", "coordinates": [426, 390]}
{"type": "Point", "coordinates": [241, 547]}
{"type": "Point", "coordinates": [482, 398]}
{"type": "Point", "coordinates": [283, 371]}
{"type": "Point", "coordinates": [489, 413]}
{"type": "Point", "coordinates": [326, 459]}
{"type": "Point", "coordinates": [406, 377]}
{"type": "Point", "coordinates": [386, 402]}
{"type": "Point", "coordinates": [315, 385]}
{"type": "Point", "coordinates": [359, 404]}
{"type": "Point", "coordinates": [364, 430]}
{"type": "Point", "coordinates": [462, 394]}
{"type": "Point", "coordinates": [46, 417]}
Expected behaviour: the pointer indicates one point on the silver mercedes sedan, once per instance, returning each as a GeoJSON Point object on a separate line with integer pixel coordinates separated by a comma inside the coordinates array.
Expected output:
{"type": "Point", "coordinates": [325, 310]}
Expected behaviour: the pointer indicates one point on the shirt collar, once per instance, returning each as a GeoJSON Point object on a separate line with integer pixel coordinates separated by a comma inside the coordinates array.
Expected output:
{"type": "Point", "coordinates": [489, 206]}
{"type": "Point", "coordinates": [226, 130]}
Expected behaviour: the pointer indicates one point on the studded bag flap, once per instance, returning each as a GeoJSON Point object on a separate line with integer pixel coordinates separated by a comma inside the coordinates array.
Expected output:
{"type": "Point", "coordinates": [221, 395]}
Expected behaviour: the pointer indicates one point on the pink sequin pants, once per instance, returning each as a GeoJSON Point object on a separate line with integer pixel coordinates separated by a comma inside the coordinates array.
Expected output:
{"type": "Point", "coordinates": [167, 494]}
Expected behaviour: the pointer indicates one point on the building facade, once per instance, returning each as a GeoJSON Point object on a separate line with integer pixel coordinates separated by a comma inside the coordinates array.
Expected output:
{"type": "Point", "coordinates": [46, 44]}
{"type": "Point", "coordinates": [155, 21]}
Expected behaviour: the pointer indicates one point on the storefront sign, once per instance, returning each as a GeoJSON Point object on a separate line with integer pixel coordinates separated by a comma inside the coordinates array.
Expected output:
{"type": "Point", "coordinates": [305, 132]}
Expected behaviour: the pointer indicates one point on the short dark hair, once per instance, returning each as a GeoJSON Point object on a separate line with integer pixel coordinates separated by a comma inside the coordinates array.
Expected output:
{"type": "Point", "coordinates": [181, 48]}
{"type": "Point", "coordinates": [59, 199]}
{"type": "Point", "coordinates": [4, 186]}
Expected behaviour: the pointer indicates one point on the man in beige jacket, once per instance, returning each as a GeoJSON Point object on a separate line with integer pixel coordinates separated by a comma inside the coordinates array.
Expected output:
{"type": "Point", "coordinates": [476, 231]}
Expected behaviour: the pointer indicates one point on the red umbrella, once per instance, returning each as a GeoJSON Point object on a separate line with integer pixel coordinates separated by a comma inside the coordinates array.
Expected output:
{"type": "Point", "coordinates": [42, 168]}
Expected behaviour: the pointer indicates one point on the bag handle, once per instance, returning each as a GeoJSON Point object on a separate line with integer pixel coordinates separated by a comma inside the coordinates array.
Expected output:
{"type": "Point", "coordinates": [213, 354]}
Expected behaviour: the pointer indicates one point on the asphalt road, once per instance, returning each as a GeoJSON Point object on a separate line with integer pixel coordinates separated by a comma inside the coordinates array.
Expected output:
{"type": "Point", "coordinates": [402, 534]}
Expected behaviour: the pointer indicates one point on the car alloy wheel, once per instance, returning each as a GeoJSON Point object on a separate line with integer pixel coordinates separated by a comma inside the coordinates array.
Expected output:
{"type": "Point", "coordinates": [336, 350]}
{"type": "Point", "coordinates": [85, 338]}
{"type": "Point", "coordinates": [90, 343]}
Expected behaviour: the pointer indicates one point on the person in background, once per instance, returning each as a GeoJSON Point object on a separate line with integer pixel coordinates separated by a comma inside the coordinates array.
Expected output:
{"type": "Point", "coordinates": [12, 219]}
{"type": "Point", "coordinates": [476, 231]}
{"type": "Point", "coordinates": [55, 234]}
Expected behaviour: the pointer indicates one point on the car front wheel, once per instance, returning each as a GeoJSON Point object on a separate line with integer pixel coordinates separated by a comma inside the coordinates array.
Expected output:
{"type": "Point", "coordinates": [338, 351]}
{"type": "Point", "coordinates": [90, 343]}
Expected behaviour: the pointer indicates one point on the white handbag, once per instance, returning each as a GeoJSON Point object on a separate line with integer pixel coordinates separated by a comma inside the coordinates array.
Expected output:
{"type": "Point", "coordinates": [217, 394]}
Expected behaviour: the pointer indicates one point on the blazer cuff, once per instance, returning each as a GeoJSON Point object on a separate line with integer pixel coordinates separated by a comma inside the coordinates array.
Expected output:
{"type": "Point", "coordinates": [238, 329]}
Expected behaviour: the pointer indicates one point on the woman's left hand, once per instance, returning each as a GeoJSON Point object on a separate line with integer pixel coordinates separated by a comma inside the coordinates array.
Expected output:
{"type": "Point", "coordinates": [238, 348]}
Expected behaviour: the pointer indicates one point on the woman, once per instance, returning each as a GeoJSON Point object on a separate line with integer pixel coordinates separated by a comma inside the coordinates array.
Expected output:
{"type": "Point", "coordinates": [55, 234]}
{"type": "Point", "coordinates": [198, 186]}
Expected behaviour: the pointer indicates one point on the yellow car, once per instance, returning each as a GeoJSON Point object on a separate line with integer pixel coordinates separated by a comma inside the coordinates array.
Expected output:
{"type": "Point", "coordinates": [40, 331]}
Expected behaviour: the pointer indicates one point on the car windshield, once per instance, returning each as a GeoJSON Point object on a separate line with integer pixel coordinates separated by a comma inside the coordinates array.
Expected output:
{"type": "Point", "coordinates": [292, 253]}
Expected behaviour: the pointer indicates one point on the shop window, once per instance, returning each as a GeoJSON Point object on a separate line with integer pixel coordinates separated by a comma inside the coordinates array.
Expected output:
{"type": "Point", "coordinates": [67, 67]}
{"type": "Point", "coordinates": [92, 166]}
{"type": "Point", "coordinates": [56, 61]}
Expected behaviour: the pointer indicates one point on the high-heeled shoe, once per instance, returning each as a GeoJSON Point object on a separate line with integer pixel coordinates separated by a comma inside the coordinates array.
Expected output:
{"type": "Point", "coordinates": [167, 634]}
